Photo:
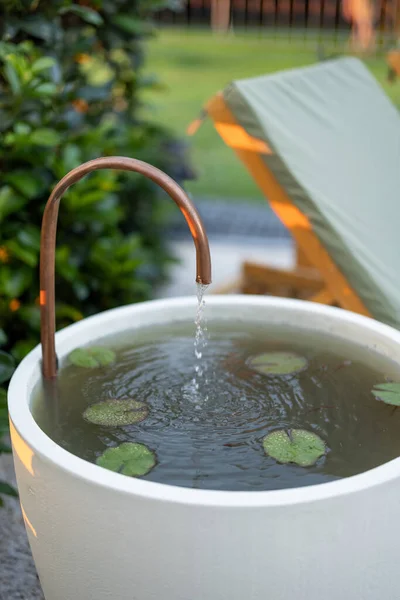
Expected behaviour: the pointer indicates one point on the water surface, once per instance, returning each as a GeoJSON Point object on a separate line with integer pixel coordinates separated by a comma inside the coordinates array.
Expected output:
{"type": "Point", "coordinates": [213, 440]}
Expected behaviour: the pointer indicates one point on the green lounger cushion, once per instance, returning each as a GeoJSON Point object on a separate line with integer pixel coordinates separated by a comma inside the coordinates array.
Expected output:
{"type": "Point", "coordinates": [335, 141]}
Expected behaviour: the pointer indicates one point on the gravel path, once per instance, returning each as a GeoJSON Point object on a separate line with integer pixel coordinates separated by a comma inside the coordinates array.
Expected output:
{"type": "Point", "coordinates": [233, 218]}
{"type": "Point", "coordinates": [18, 578]}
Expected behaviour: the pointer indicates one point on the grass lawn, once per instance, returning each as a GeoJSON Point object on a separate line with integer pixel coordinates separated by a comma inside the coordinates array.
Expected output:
{"type": "Point", "coordinates": [194, 65]}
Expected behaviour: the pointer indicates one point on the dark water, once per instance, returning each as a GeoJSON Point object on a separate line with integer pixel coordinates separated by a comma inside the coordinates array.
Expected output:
{"type": "Point", "coordinates": [211, 438]}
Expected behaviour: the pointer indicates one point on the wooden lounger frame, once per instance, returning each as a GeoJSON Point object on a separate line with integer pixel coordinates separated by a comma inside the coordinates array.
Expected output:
{"type": "Point", "coordinates": [393, 61]}
{"type": "Point", "coordinates": [315, 277]}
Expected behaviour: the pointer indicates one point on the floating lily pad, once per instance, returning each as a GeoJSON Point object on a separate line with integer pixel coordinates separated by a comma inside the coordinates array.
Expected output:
{"type": "Point", "coordinates": [387, 392]}
{"type": "Point", "coordinates": [277, 363]}
{"type": "Point", "coordinates": [114, 413]}
{"type": "Point", "coordinates": [129, 458]}
{"type": "Point", "coordinates": [90, 358]}
{"type": "Point", "coordinates": [297, 446]}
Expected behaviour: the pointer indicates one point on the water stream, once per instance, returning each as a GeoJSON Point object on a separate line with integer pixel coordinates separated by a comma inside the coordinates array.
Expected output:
{"type": "Point", "coordinates": [199, 381]}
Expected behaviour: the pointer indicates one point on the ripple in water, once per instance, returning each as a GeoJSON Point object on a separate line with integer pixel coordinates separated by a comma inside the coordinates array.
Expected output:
{"type": "Point", "coordinates": [212, 438]}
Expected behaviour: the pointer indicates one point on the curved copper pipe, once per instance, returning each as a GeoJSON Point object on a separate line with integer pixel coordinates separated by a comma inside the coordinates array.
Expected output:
{"type": "Point", "coordinates": [49, 230]}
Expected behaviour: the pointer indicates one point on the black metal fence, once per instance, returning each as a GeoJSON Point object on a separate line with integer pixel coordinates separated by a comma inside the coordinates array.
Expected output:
{"type": "Point", "coordinates": [299, 14]}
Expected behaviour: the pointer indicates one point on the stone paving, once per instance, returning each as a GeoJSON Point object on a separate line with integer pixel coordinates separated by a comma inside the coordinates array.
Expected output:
{"type": "Point", "coordinates": [18, 578]}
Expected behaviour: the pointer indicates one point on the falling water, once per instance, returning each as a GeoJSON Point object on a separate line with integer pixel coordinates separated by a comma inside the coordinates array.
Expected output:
{"type": "Point", "coordinates": [199, 381]}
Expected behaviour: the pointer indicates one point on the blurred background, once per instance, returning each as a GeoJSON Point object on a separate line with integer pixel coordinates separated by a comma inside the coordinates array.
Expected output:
{"type": "Point", "coordinates": [81, 79]}
{"type": "Point", "coordinates": [206, 44]}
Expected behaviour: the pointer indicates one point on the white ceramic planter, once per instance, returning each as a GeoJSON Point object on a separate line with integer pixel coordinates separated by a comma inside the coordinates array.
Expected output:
{"type": "Point", "coordinates": [97, 535]}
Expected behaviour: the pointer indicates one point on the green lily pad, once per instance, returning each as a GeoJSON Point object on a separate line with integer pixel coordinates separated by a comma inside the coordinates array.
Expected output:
{"type": "Point", "coordinates": [90, 358]}
{"type": "Point", "coordinates": [297, 446]}
{"type": "Point", "coordinates": [277, 363]}
{"type": "Point", "coordinates": [388, 392]}
{"type": "Point", "coordinates": [130, 458]}
{"type": "Point", "coordinates": [114, 413]}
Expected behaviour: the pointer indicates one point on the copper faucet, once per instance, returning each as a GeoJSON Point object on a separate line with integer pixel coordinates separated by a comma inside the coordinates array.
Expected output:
{"type": "Point", "coordinates": [48, 241]}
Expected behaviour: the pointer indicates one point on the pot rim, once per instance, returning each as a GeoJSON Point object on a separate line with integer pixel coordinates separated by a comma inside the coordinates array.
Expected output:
{"type": "Point", "coordinates": [22, 420]}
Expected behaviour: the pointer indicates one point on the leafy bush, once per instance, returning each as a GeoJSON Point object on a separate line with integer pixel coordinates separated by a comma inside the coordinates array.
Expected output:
{"type": "Point", "coordinates": [71, 82]}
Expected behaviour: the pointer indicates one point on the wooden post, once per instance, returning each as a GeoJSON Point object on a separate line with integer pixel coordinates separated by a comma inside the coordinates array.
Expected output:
{"type": "Point", "coordinates": [360, 13]}
{"type": "Point", "coordinates": [301, 258]}
{"type": "Point", "coordinates": [220, 15]}
{"type": "Point", "coordinates": [396, 19]}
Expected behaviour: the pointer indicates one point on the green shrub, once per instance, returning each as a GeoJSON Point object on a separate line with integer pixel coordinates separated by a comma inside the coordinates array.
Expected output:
{"type": "Point", "coordinates": [71, 82]}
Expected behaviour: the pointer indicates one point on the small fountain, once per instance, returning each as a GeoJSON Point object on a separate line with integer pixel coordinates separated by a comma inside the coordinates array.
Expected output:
{"type": "Point", "coordinates": [113, 530]}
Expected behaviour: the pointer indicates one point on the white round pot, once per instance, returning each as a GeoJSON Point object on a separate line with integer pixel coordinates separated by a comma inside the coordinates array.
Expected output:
{"type": "Point", "coordinates": [98, 535]}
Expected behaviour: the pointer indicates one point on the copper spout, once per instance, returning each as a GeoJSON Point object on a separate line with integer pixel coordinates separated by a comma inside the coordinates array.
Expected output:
{"type": "Point", "coordinates": [49, 230]}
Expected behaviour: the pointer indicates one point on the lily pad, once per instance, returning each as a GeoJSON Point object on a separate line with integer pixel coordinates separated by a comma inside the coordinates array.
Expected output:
{"type": "Point", "coordinates": [297, 446]}
{"type": "Point", "coordinates": [130, 458]}
{"type": "Point", "coordinates": [388, 392]}
{"type": "Point", "coordinates": [90, 358]}
{"type": "Point", "coordinates": [277, 363]}
{"type": "Point", "coordinates": [115, 413]}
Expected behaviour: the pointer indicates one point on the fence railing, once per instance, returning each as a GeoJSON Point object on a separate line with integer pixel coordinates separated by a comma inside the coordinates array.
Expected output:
{"type": "Point", "coordinates": [297, 14]}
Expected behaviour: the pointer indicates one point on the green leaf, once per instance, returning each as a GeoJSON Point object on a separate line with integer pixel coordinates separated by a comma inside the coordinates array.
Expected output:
{"type": "Point", "coordinates": [71, 157]}
{"type": "Point", "coordinates": [10, 202]}
{"type": "Point", "coordinates": [39, 27]}
{"type": "Point", "coordinates": [297, 446]}
{"type": "Point", "coordinates": [132, 25]}
{"type": "Point", "coordinates": [22, 348]}
{"type": "Point", "coordinates": [26, 183]}
{"type": "Point", "coordinates": [45, 137]}
{"type": "Point", "coordinates": [65, 311]}
{"type": "Point", "coordinates": [3, 398]}
{"type": "Point", "coordinates": [6, 48]}
{"type": "Point", "coordinates": [30, 315]}
{"type": "Point", "coordinates": [132, 459]}
{"type": "Point", "coordinates": [82, 200]}
{"type": "Point", "coordinates": [14, 281]}
{"type": "Point", "coordinates": [12, 78]}
{"type": "Point", "coordinates": [22, 128]}
{"type": "Point", "coordinates": [7, 366]}
{"type": "Point", "coordinates": [42, 64]}
{"type": "Point", "coordinates": [388, 393]}
{"type": "Point", "coordinates": [44, 89]}
{"type": "Point", "coordinates": [115, 413]}
{"type": "Point", "coordinates": [85, 13]}
{"type": "Point", "coordinates": [3, 337]}
{"type": "Point", "coordinates": [89, 358]}
{"type": "Point", "coordinates": [26, 255]}
{"type": "Point", "coordinates": [6, 488]}
{"type": "Point", "coordinates": [29, 236]}
{"type": "Point", "coordinates": [277, 363]}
